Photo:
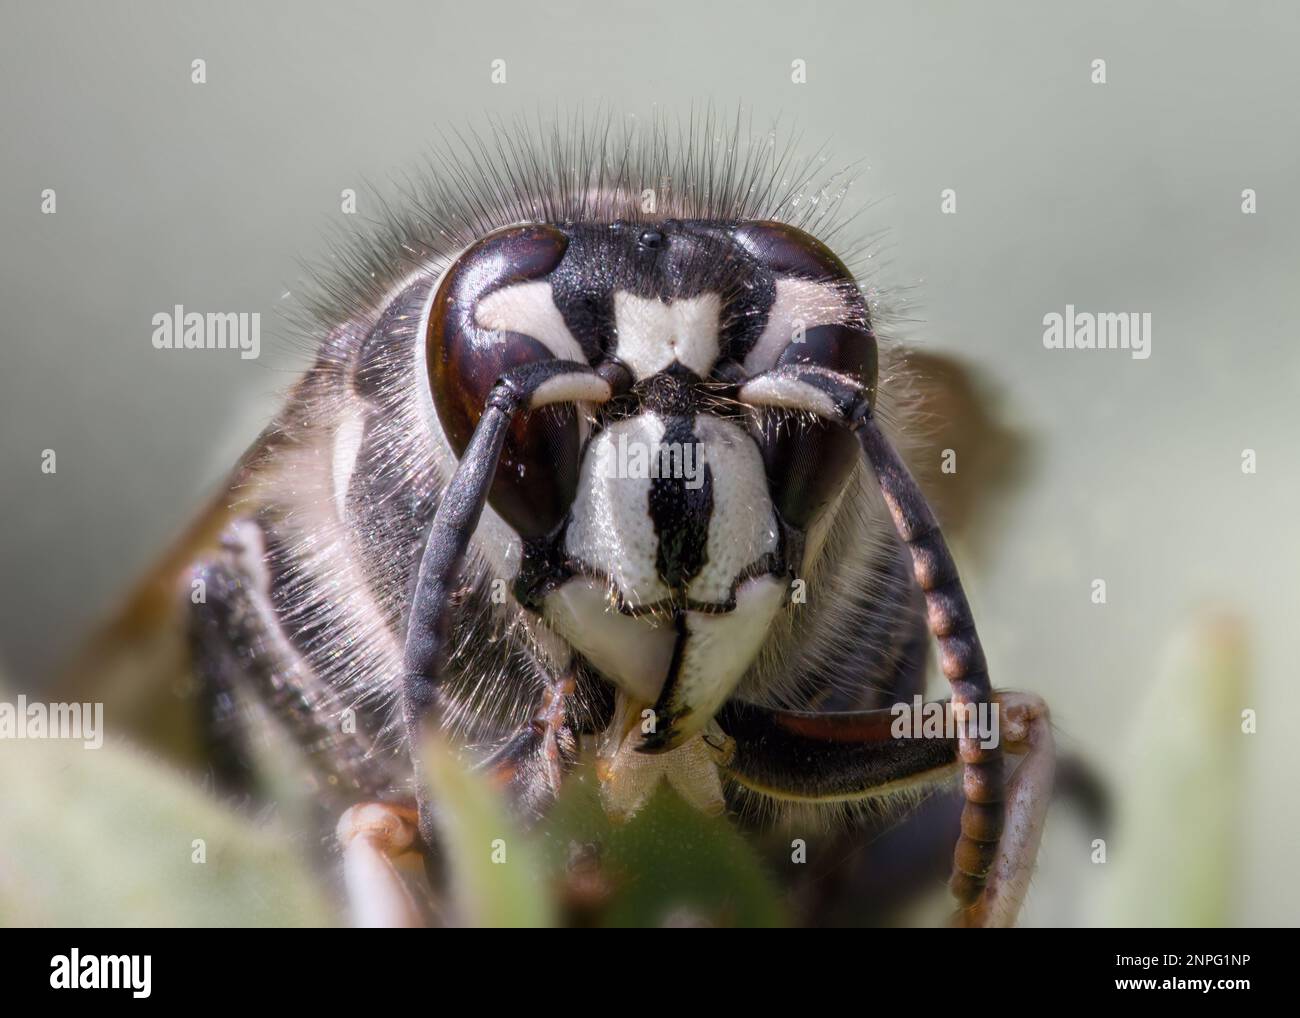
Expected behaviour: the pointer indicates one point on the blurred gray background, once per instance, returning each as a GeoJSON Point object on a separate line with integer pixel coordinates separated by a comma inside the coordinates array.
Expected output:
{"type": "Point", "coordinates": [1122, 197]}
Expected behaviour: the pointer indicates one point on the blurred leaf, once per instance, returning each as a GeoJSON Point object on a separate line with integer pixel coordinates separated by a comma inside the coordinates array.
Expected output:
{"type": "Point", "coordinates": [477, 832]}
{"type": "Point", "coordinates": [105, 837]}
{"type": "Point", "coordinates": [669, 864]}
{"type": "Point", "coordinates": [1174, 854]}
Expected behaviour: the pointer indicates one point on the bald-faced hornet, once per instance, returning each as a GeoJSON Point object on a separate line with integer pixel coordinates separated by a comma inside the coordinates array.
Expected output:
{"type": "Point", "coordinates": [574, 471]}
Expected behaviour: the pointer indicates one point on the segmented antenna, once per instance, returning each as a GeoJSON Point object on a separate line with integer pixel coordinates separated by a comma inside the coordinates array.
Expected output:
{"type": "Point", "coordinates": [961, 657]}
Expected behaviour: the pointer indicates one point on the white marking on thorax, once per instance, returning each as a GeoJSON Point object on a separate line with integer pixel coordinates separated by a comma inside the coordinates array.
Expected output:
{"type": "Point", "coordinates": [650, 334]}
{"type": "Point", "coordinates": [347, 444]}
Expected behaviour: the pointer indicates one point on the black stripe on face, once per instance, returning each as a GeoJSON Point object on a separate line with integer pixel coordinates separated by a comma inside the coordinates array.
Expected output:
{"type": "Point", "coordinates": [670, 260]}
{"type": "Point", "coordinates": [680, 513]}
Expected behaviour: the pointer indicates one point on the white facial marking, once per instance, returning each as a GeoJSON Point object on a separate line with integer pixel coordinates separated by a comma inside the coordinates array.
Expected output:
{"type": "Point", "coordinates": [652, 334]}
{"type": "Point", "coordinates": [529, 308]}
{"type": "Point", "coordinates": [793, 393]}
{"type": "Point", "coordinates": [721, 648]}
{"type": "Point", "coordinates": [743, 527]}
{"type": "Point", "coordinates": [633, 652]}
{"type": "Point", "coordinates": [797, 300]}
{"type": "Point", "coordinates": [576, 387]}
{"type": "Point", "coordinates": [611, 529]}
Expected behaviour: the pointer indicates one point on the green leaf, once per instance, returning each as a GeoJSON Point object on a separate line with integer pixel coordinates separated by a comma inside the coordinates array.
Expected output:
{"type": "Point", "coordinates": [1175, 847]}
{"type": "Point", "coordinates": [107, 837]}
{"type": "Point", "coordinates": [669, 864]}
{"type": "Point", "coordinates": [496, 874]}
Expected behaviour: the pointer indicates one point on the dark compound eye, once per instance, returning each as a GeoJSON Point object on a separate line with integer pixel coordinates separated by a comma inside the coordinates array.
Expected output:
{"type": "Point", "coordinates": [809, 461]}
{"type": "Point", "coordinates": [789, 251]}
{"type": "Point", "coordinates": [538, 472]}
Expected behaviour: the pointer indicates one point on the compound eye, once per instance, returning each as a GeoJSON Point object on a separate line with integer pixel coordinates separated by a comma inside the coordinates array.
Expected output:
{"type": "Point", "coordinates": [789, 251]}
{"type": "Point", "coordinates": [537, 475]}
{"type": "Point", "coordinates": [819, 317]}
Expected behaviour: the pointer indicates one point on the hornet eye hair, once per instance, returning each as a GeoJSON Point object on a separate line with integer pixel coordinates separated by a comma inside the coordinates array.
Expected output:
{"type": "Point", "coordinates": [594, 462]}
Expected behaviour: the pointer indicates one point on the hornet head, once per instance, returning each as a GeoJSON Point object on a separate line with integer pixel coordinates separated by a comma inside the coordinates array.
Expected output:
{"type": "Point", "coordinates": [663, 530]}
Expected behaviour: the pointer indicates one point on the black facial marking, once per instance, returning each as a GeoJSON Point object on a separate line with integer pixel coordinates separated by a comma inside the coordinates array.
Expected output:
{"type": "Point", "coordinates": [668, 392]}
{"type": "Point", "coordinates": [666, 717]}
{"type": "Point", "coordinates": [544, 566]}
{"type": "Point", "coordinates": [675, 260]}
{"type": "Point", "coordinates": [680, 513]}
